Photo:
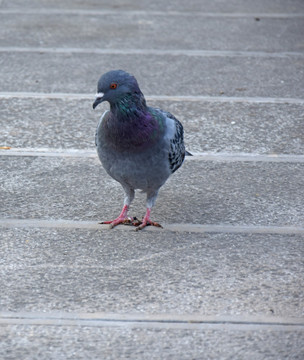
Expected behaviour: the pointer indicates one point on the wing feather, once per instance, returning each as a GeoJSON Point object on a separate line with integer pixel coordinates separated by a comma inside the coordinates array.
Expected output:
{"type": "Point", "coordinates": [175, 134]}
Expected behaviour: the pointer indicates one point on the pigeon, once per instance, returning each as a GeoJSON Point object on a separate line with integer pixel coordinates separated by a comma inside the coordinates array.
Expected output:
{"type": "Point", "coordinates": [138, 146]}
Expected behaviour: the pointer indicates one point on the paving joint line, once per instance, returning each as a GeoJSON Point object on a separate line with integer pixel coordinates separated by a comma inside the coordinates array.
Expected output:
{"type": "Point", "coordinates": [188, 228]}
{"type": "Point", "coordinates": [159, 52]}
{"type": "Point", "coordinates": [97, 12]}
{"type": "Point", "coordinates": [150, 321]}
{"type": "Point", "coordinates": [187, 98]}
{"type": "Point", "coordinates": [197, 156]}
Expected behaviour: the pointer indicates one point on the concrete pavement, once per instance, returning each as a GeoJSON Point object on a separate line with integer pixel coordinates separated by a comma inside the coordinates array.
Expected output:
{"type": "Point", "coordinates": [224, 278]}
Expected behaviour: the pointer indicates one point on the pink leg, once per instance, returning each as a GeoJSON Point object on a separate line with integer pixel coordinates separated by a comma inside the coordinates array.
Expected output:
{"type": "Point", "coordinates": [122, 218]}
{"type": "Point", "coordinates": [147, 221]}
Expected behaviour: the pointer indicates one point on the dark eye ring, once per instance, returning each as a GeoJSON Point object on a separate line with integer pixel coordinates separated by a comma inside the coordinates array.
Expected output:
{"type": "Point", "coordinates": [113, 86]}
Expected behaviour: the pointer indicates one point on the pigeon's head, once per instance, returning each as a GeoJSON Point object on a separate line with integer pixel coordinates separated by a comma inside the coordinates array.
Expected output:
{"type": "Point", "coordinates": [114, 86]}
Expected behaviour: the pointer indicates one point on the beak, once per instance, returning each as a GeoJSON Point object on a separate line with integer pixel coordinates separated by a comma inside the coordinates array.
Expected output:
{"type": "Point", "coordinates": [98, 100]}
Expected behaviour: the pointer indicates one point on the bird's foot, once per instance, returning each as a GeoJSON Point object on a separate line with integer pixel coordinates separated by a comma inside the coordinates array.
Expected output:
{"type": "Point", "coordinates": [146, 221]}
{"type": "Point", "coordinates": [121, 219]}
{"type": "Point", "coordinates": [125, 220]}
{"type": "Point", "coordinates": [117, 221]}
{"type": "Point", "coordinates": [128, 221]}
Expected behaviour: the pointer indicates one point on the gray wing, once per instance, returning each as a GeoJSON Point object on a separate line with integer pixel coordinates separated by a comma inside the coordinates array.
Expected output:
{"type": "Point", "coordinates": [175, 135]}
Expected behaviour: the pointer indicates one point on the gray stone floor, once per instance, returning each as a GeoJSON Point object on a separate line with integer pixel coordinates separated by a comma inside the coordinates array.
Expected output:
{"type": "Point", "coordinates": [224, 278]}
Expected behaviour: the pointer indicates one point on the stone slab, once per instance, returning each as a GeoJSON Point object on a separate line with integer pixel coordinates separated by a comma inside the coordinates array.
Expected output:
{"type": "Point", "coordinates": [44, 270]}
{"type": "Point", "coordinates": [215, 127]}
{"type": "Point", "coordinates": [156, 272]}
{"type": "Point", "coordinates": [156, 74]}
{"type": "Point", "coordinates": [242, 193]}
{"type": "Point", "coordinates": [131, 31]}
{"type": "Point", "coordinates": [49, 342]}
{"type": "Point", "coordinates": [219, 6]}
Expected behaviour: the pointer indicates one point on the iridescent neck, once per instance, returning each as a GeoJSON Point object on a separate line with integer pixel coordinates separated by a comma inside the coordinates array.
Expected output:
{"type": "Point", "coordinates": [130, 107]}
{"type": "Point", "coordinates": [131, 125]}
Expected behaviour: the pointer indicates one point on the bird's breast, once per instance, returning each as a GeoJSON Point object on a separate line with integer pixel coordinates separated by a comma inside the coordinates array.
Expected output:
{"type": "Point", "coordinates": [139, 169]}
{"type": "Point", "coordinates": [129, 136]}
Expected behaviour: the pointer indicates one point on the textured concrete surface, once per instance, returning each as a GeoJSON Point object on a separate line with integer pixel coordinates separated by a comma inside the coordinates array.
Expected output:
{"type": "Point", "coordinates": [216, 192]}
{"type": "Point", "coordinates": [227, 127]}
{"type": "Point", "coordinates": [116, 343]}
{"type": "Point", "coordinates": [184, 75]}
{"type": "Point", "coordinates": [120, 31]}
{"type": "Point", "coordinates": [158, 273]}
{"type": "Point", "coordinates": [75, 290]}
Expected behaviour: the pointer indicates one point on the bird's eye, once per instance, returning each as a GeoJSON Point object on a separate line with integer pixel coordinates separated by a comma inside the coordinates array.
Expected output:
{"type": "Point", "coordinates": [113, 86]}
